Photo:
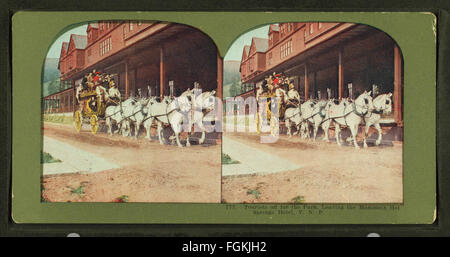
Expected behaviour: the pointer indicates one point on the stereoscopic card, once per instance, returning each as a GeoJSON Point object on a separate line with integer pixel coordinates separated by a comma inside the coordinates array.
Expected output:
{"type": "Point", "coordinates": [224, 117]}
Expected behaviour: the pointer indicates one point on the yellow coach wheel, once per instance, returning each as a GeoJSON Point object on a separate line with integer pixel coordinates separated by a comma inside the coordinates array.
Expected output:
{"type": "Point", "coordinates": [78, 121]}
{"type": "Point", "coordinates": [94, 124]}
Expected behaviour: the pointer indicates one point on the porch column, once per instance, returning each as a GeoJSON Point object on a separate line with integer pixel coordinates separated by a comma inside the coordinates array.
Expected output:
{"type": "Point", "coordinates": [315, 85]}
{"type": "Point", "coordinates": [340, 75]}
{"type": "Point", "coordinates": [162, 72]}
{"type": "Point", "coordinates": [73, 101]}
{"type": "Point", "coordinates": [397, 86]}
{"type": "Point", "coordinates": [306, 83]}
{"type": "Point", "coordinates": [219, 76]}
{"type": "Point", "coordinates": [135, 79]}
{"type": "Point", "coordinates": [73, 96]}
{"type": "Point", "coordinates": [127, 81]}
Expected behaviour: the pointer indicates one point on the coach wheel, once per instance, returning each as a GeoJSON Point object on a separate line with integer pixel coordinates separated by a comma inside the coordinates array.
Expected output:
{"type": "Point", "coordinates": [78, 121]}
{"type": "Point", "coordinates": [94, 124]}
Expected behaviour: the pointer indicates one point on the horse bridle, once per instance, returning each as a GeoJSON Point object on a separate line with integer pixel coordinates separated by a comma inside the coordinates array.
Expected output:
{"type": "Point", "coordinates": [357, 112]}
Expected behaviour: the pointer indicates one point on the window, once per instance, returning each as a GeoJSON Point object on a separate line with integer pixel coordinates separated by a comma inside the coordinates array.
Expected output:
{"type": "Point", "coordinates": [131, 26]}
{"type": "Point", "coordinates": [124, 31]}
{"type": "Point", "coordinates": [89, 53]}
{"type": "Point", "coordinates": [311, 28]}
{"type": "Point", "coordinates": [139, 23]}
{"type": "Point", "coordinates": [285, 49]}
{"type": "Point", "coordinates": [289, 27]}
{"type": "Point", "coordinates": [289, 47]}
{"type": "Point", "coordinates": [320, 25]}
{"type": "Point", "coordinates": [105, 46]}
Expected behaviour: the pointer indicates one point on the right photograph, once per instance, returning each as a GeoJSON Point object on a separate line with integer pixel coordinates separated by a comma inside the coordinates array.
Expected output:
{"type": "Point", "coordinates": [313, 113]}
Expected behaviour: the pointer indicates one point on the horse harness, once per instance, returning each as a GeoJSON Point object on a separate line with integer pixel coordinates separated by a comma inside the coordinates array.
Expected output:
{"type": "Point", "coordinates": [361, 114]}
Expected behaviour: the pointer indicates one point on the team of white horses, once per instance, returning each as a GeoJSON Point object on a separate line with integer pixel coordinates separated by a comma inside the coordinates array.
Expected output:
{"type": "Point", "coordinates": [351, 114]}
{"type": "Point", "coordinates": [189, 109]}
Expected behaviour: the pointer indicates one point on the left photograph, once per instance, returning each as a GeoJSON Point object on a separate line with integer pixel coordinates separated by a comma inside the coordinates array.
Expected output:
{"type": "Point", "coordinates": [131, 113]}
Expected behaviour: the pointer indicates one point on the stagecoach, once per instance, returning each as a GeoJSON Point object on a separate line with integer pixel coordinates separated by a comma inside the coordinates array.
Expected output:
{"type": "Point", "coordinates": [90, 109]}
{"type": "Point", "coordinates": [265, 102]}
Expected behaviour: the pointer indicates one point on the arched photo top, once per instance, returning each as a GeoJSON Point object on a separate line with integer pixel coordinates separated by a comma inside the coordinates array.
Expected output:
{"type": "Point", "coordinates": [153, 57]}
{"type": "Point", "coordinates": [322, 59]}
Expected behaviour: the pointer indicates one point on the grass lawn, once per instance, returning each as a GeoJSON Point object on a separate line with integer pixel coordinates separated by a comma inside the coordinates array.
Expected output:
{"type": "Point", "coordinates": [226, 159]}
{"type": "Point", "coordinates": [47, 158]}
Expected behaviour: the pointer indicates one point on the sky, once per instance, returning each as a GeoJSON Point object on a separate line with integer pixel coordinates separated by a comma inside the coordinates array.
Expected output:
{"type": "Point", "coordinates": [235, 51]}
{"type": "Point", "coordinates": [55, 49]}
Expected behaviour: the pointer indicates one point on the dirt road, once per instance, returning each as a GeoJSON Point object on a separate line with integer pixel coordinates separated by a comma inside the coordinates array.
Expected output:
{"type": "Point", "coordinates": [328, 174]}
{"type": "Point", "coordinates": [149, 172]}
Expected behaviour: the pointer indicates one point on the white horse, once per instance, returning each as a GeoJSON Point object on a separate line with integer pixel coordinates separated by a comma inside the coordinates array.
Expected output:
{"type": "Point", "coordinates": [318, 115]}
{"type": "Point", "coordinates": [203, 104]}
{"type": "Point", "coordinates": [326, 122]}
{"type": "Point", "coordinates": [149, 119]}
{"type": "Point", "coordinates": [114, 94]}
{"type": "Point", "coordinates": [114, 114]}
{"type": "Point", "coordinates": [382, 104]}
{"type": "Point", "coordinates": [307, 112]}
{"type": "Point", "coordinates": [173, 114]}
{"type": "Point", "coordinates": [292, 115]}
{"type": "Point", "coordinates": [351, 115]}
{"type": "Point", "coordinates": [136, 114]}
